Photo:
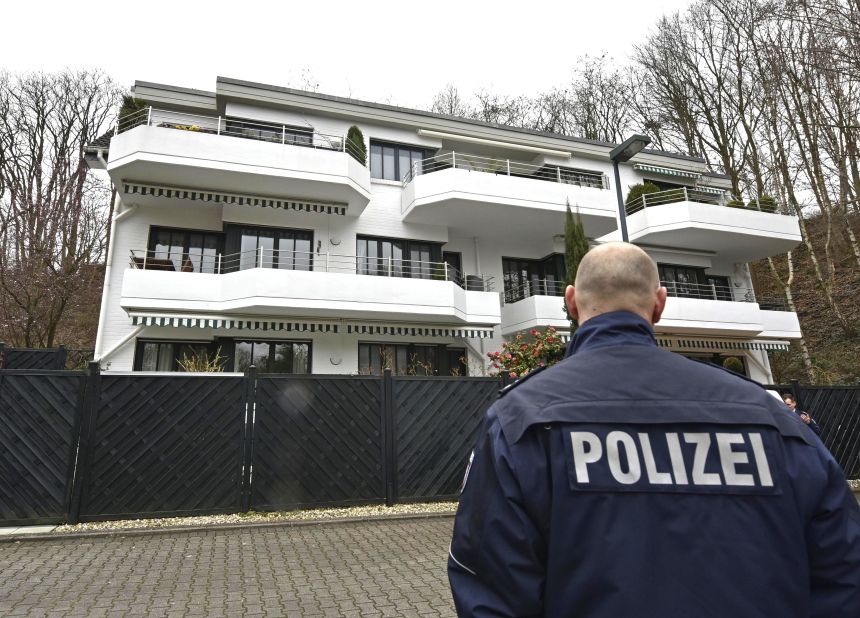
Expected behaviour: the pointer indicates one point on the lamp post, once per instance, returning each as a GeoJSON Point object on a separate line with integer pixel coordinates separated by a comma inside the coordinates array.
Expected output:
{"type": "Point", "coordinates": [625, 151]}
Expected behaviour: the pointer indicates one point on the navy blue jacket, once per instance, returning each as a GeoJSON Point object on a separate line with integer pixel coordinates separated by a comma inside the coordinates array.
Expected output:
{"type": "Point", "coordinates": [630, 481]}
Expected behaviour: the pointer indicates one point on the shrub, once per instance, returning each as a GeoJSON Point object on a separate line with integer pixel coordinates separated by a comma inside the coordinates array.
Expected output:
{"type": "Point", "coordinates": [203, 362]}
{"type": "Point", "coordinates": [733, 363]}
{"type": "Point", "coordinates": [519, 357]}
{"type": "Point", "coordinates": [735, 203]}
{"type": "Point", "coordinates": [355, 144]}
{"type": "Point", "coordinates": [765, 204]}
{"type": "Point", "coordinates": [637, 191]}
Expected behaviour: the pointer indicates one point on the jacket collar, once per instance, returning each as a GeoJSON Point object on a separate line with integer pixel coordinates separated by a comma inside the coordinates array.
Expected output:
{"type": "Point", "coordinates": [611, 329]}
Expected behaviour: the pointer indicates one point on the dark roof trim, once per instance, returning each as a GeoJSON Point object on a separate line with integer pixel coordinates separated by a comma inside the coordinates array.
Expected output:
{"type": "Point", "coordinates": [199, 93]}
{"type": "Point", "coordinates": [428, 114]}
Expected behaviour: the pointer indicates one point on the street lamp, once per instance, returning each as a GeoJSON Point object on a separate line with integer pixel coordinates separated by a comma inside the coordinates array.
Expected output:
{"type": "Point", "coordinates": [625, 151]}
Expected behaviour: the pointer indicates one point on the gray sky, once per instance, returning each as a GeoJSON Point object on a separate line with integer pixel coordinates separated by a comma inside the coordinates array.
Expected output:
{"type": "Point", "coordinates": [396, 52]}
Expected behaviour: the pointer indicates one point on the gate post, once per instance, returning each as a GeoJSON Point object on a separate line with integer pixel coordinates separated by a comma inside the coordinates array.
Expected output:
{"type": "Point", "coordinates": [389, 458]}
{"type": "Point", "coordinates": [248, 438]}
{"type": "Point", "coordinates": [92, 398]}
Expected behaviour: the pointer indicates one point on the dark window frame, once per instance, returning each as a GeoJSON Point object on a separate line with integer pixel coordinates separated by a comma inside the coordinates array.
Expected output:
{"type": "Point", "coordinates": [270, 343]}
{"type": "Point", "coordinates": [140, 345]}
{"type": "Point", "coordinates": [186, 259]}
{"type": "Point", "coordinates": [404, 266]}
{"type": "Point", "coordinates": [397, 147]}
{"type": "Point", "coordinates": [441, 364]}
{"type": "Point", "coordinates": [234, 233]}
{"type": "Point", "coordinates": [539, 270]}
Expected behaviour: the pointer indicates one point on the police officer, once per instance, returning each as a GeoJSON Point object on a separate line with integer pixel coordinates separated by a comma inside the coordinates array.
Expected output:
{"type": "Point", "coordinates": [630, 481]}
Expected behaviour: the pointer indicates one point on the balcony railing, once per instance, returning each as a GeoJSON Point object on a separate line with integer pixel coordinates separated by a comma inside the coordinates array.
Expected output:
{"type": "Point", "coordinates": [535, 287]}
{"type": "Point", "coordinates": [239, 127]}
{"type": "Point", "coordinates": [685, 194]}
{"type": "Point", "coordinates": [209, 261]}
{"type": "Point", "coordinates": [702, 291]}
{"type": "Point", "coordinates": [506, 167]}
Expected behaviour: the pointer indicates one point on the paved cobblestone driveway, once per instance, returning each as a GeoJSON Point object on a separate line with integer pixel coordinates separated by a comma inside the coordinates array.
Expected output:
{"type": "Point", "coordinates": [377, 568]}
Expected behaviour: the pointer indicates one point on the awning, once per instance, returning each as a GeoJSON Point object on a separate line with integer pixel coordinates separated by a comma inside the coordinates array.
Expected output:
{"type": "Point", "coordinates": [203, 195]}
{"type": "Point", "coordinates": [713, 190]}
{"type": "Point", "coordinates": [665, 171]}
{"type": "Point", "coordinates": [471, 332]}
{"type": "Point", "coordinates": [690, 344]}
{"type": "Point", "coordinates": [312, 326]}
{"type": "Point", "coordinates": [244, 323]}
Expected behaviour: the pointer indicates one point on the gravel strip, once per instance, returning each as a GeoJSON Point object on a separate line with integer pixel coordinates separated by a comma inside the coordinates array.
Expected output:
{"type": "Point", "coordinates": [254, 517]}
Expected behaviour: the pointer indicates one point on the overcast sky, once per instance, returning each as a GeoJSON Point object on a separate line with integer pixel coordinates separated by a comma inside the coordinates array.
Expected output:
{"type": "Point", "coordinates": [396, 52]}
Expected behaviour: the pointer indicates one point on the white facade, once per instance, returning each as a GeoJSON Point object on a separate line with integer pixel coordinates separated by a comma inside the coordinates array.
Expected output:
{"type": "Point", "coordinates": [251, 163]}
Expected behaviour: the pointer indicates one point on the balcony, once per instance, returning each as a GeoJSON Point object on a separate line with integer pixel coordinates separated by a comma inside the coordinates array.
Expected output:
{"type": "Point", "coordinates": [243, 159]}
{"type": "Point", "coordinates": [691, 309]}
{"type": "Point", "coordinates": [489, 197]}
{"type": "Point", "coordinates": [692, 219]}
{"type": "Point", "coordinates": [288, 284]}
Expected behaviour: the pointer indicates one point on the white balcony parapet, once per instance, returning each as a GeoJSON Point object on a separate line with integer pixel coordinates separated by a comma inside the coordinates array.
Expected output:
{"type": "Point", "coordinates": [219, 154]}
{"type": "Point", "coordinates": [269, 282]}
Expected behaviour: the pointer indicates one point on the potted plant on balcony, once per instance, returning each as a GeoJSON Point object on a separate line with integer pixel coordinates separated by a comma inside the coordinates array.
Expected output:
{"type": "Point", "coordinates": [735, 202]}
{"type": "Point", "coordinates": [765, 203]}
{"type": "Point", "coordinates": [638, 190]}
{"type": "Point", "coordinates": [355, 145]}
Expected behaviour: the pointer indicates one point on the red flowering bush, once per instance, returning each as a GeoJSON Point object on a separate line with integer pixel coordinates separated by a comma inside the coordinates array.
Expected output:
{"type": "Point", "coordinates": [520, 356]}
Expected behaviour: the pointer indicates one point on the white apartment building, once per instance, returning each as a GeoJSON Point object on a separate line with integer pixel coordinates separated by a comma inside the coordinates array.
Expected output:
{"type": "Point", "coordinates": [246, 223]}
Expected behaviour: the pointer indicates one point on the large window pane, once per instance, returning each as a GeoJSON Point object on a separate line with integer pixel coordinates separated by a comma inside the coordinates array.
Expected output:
{"type": "Point", "coordinates": [404, 161]}
{"type": "Point", "coordinates": [249, 251]}
{"type": "Point", "coordinates": [282, 360]}
{"type": "Point", "coordinates": [375, 161]}
{"type": "Point", "coordinates": [165, 357]}
{"type": "Point", "coordinates": [388, 171]}
{"type": "Point", "coordinates": [150, 357]}
{"type": "Point", "coordinates": [301, 357]}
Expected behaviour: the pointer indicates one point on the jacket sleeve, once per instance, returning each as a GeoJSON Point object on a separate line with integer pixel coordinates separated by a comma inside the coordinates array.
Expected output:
{"type": "Point", "coordinates": [497, 555]}
{"type": "Point", "coordinates": [833, 545]}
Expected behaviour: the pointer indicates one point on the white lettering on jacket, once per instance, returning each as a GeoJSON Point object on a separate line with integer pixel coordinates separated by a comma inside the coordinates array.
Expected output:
{"type": "Point", "coordinates": [625, 456]}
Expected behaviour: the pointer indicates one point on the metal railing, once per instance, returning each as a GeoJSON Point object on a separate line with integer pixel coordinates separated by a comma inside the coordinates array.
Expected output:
{"type": "Point", "coordinates": [241, 127]}
{"type": "Point", "coordinates": [506, 167]}
{"type": "Point", "coordinates": [534, 287]}
{"type": "Point", "coordinates": [709, 291]}
{"type": "Point", "coordinates": [686, 194]}
{"type": "Point", "coordinates": [217, 263]}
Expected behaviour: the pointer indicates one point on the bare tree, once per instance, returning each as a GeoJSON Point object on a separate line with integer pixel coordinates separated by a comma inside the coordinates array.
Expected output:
{"type": "Point", "coordinates": [449, 102]}
{"type": "Point", "coordinates": [52, 211]}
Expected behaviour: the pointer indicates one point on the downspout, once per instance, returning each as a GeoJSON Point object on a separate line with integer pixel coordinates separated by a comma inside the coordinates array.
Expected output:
{"type": "Point", "coordinates": [122, 342]}
{"type": "Point", "coordinates": [97, 356]}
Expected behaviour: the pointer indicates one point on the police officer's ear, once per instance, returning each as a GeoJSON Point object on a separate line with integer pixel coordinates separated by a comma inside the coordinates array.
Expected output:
{"type": "Point", "coordinates": [659, 305]}
{"type": "Point", "coordinates": [570, 302]}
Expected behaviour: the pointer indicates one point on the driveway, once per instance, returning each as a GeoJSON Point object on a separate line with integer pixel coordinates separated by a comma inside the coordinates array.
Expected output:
{"type": "Point", "coordinates": [372, 568]}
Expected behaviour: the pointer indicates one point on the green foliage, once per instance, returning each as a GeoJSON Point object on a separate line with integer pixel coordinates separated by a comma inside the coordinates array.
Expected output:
{"type": "Point", "coordinates": [355, 144]}
{"type": "Point", "coordinates": [519, 357]}
{"type": "Point", "coordinates": [130, 105]}
{"type": "Point", "coordinates": [638, 190]}
{"type": "Point", "coordinates": [575, 248]}
{"type": "Point", "coordinates": [735, 203]}
{"type": "Point", "coordinates": [765, 204]}
{"type": "Point", "coordinates": [733, 363]}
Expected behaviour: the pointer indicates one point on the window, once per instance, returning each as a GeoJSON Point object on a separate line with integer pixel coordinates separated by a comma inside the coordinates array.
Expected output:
{"type": "Point", "coordinates": [165, 355]}
{"type": "Point", "coordinates": [397, 258]}
{"type": "Point", "coordinates": [286, 249]}
{"type": "Point", "coordinates": [393, 161]}
{"type": "Point", "coordinates": [411, 359]}
{"type": "Point", "coordinates": [720, 287]}
{"type": "Point", "coordinates": [269, 132]}
{"type": "Point", "coordinates": [184, 250]}
{"type": "Point", "coordinates": [524, 277]}
{"type": "Point", "coordinates": [692, 282]}
{"type": "Point", "coordinates": [273, 356]}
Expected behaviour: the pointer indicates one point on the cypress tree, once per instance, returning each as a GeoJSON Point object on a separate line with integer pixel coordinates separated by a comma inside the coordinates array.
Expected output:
{"type": "Point", "coordinates": [575, 248]}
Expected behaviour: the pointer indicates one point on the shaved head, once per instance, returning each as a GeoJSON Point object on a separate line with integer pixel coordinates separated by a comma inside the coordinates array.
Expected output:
{"type": "Point", "coordinates": [616, 277]}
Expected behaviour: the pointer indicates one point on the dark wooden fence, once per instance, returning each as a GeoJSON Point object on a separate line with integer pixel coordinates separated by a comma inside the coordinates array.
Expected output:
{"type": "Point", "coordinates": [182, 444]}
{"type": "Point", "coordinates": [87, 447]}
{"type": "Point", "coordinates": [836, 409]}
{"type": "Point", "coordinates": [44, 358]}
